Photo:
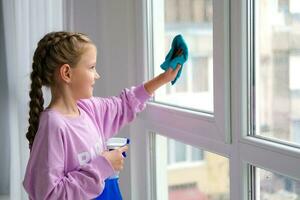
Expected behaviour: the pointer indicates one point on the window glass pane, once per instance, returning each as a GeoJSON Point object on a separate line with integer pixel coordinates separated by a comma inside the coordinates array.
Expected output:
{"type": "Point", "coordinates": [275, 186]}
{"type": "Point", "coordinates": [199, 74]}
{"type": "Point", "coordinates": [193, 20]}
{"type": "Point", "coordinates": [197, 154]}
{"type": "Point", "coordinates": [276, 103]}
{"type": "Point", "coordinates": [180, 152]}
{"type": "Point", "coordinates": [202, 175]}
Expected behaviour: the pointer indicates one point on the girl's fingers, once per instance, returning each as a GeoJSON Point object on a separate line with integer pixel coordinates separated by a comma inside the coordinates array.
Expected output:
{"type": "Point", "coordinates": [171, 70]}
{"type": "Point", "coordinates": [178, 52]}
{"type": "Point", "coordinates": [178, 67]}
{"type": "Point", "coordinates": [123, 149]}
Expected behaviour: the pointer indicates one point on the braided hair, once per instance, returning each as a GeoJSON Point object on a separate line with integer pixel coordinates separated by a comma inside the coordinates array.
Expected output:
{"type": "Point", "coordinates": [53, 50]}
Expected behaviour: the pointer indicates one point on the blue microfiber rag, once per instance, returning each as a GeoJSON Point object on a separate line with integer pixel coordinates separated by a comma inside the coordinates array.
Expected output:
{"type": "Point", "coordinates": [177, 43]}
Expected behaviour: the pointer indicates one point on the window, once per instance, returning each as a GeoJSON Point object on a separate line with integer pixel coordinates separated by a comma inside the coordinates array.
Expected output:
{"type": "Point", "coordinates": [273, 57]}
{"type": "Point", "coordinates": [255, 100]}
{"type": "Point", "coordinates": [270, 185]}
{"type": "Point", "coordinates": [275, 71]}
{"type": "Point", "coordinates": [295, 130]}
{"type": "Point", "coordinates": [194, 111]}
{"type": "Point", "coordinates": [193, 20]}
{"type": "Point", "coordinates": [200, 74]}
{"type": "Point", "coordinates": [195, 79]}
{"type": "Point", "coordinates": [195, 175]}
{"type": "Point", "coordinates": [201, 93]}
{"type": "Point", "coordinates": [294, 7]}
{"type": "Point", "coordinates": [179, 153]}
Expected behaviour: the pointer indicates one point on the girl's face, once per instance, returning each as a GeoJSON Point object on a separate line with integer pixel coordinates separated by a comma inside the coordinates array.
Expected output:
{"type": "Point", "coordinates": [84, 74]}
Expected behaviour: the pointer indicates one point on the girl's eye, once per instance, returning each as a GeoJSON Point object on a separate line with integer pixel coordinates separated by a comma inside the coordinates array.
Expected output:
{"type": "Point", "coordinates": [92, 67]}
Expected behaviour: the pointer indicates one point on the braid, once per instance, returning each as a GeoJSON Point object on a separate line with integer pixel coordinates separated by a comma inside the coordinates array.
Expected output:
{"type": "Point", "coordinates": [53, 50]}
{"type": "Point", "coordinates": [36, 104]}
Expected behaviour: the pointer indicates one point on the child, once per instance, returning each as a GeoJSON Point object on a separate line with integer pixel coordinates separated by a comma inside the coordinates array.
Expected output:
{"type": "Point", "coordinates": [68, 158]}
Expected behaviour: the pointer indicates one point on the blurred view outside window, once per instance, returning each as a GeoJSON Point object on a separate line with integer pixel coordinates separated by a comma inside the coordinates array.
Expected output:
{"type": "Point", "coordinates": [274, 186]}
{"type": "Point", "coordinates": [191, 173]}
{"type": "Point", "coordinates": [276, 71]}
{"type": "Point", "coordinates": [179, 153]}
{"type": "Point", "coordinates": [193, 20]}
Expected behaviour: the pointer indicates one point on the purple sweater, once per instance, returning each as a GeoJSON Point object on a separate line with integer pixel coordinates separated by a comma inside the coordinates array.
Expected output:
{"type": "Point", "coordinates": [64, 162]}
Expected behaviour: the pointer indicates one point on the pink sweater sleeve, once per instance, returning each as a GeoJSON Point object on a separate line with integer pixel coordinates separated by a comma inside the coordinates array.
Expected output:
{"type": "Point", "coordinates": [46, 178]}
{"type": "Point", "coordinates": [113, 113]}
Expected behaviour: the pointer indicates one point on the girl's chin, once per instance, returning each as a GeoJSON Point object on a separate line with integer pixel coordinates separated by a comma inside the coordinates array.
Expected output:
{"type": "Point", "coordinates": [86, 96]}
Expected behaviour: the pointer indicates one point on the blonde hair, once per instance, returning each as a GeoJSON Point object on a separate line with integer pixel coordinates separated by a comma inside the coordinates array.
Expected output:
{"type": "Point", "coordinates": [53, 50]}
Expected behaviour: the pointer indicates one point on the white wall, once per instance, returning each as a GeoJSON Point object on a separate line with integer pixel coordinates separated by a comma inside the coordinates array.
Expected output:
{"type": "Point", "coordinates": [111, 25]}
{"type": "Point", "coordinates": [4, 136]}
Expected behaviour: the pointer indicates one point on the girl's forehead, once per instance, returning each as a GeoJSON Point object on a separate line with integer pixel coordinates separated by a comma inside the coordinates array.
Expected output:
{"type": "Point", "coordinates": [89, 55]}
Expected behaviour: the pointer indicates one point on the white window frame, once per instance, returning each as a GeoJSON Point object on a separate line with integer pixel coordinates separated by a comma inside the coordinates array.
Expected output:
{"type": "Point", "coordinates": [210, 132]}
{"type": "Point", "coordinates": [272, 156]}
{"type": "Point", "coordinates": [216, 126]}
{"type": "Point", "coordinates": [242, 150]}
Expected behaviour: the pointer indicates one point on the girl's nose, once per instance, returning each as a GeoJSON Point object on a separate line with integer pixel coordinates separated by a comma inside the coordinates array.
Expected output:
{"type": "Point", "coordinates": [97, 76]}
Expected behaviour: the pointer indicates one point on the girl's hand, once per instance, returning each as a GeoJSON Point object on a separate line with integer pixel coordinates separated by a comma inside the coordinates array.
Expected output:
{"type": "Point", "coordinates": [115, 157]}
{"type": "Point", "coordinates": [161, 79]}
{"type": "Point", "coordinates": [171, 73]}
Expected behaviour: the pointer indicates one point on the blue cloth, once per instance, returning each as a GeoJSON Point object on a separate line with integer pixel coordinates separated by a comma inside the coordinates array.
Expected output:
{"type": "Point", "coordinates": [177, 43]}
{"type": "Point", "coordinates": [111, 190]}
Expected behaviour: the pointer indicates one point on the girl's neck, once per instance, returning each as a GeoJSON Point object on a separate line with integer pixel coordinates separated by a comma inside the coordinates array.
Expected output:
{"type": "Point", "coordinates": [64, 104]}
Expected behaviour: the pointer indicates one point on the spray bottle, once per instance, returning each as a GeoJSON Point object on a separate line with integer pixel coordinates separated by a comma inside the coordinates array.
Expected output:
{"type": "Point", "coordinates": [111, 189]}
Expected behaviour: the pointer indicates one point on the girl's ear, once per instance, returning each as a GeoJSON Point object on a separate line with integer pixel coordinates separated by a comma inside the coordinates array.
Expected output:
{"type": "Point", "coordinates": [65, 73]}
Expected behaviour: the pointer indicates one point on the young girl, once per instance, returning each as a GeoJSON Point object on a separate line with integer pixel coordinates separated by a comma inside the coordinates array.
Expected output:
{"type": "Point", "coordinates": [68, 158]}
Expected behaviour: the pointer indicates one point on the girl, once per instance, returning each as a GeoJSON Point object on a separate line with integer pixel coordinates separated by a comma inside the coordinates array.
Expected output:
{"type": "Point", "coordinates": [68, 158]}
